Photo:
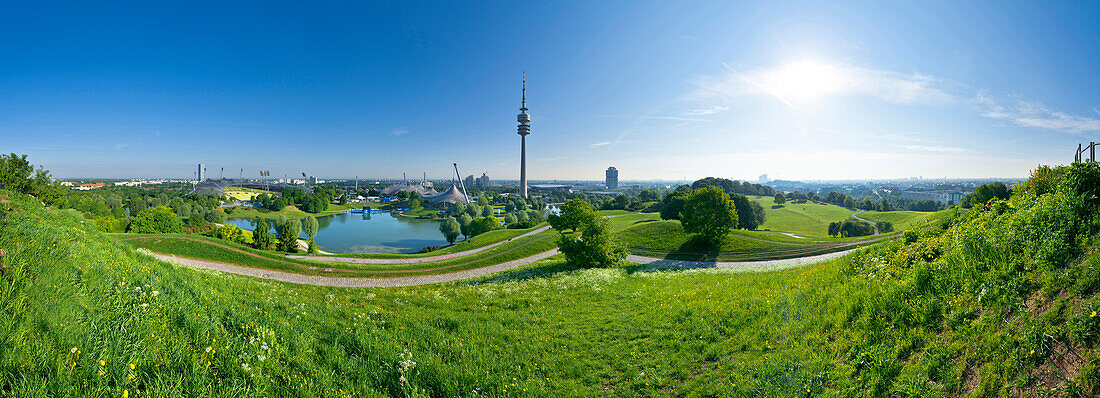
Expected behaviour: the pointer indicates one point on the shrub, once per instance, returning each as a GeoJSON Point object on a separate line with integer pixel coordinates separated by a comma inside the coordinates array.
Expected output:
{"type": "Point", "coordinates": [157, 220]}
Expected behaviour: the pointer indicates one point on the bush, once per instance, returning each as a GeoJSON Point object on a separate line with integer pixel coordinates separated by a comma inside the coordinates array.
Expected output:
{"type": "Point", "coordinates": [885, 227]}
{"type": "Point", "coordinates": [157, 220]}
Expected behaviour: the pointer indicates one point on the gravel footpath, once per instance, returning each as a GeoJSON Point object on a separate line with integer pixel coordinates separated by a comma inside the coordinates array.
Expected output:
{"type": "Point", "coordinates": [734, 264]}
{"type": "Point", "coordinates": [351, 281]}
{"type": "Point", "coordinates": [416, 260]}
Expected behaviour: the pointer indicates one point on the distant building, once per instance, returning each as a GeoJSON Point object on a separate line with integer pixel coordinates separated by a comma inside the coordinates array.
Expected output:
{"type": "Point", "coordinates": [202, 172]}
{"type": "Point", "coordinates": [764, 178]}
{"type": "Point", "coordinates": [483, 181]}
{"type": "Point", "coordinates": [611, 178]}
{"type": "Point", "coordinates": [469, 181]}
{"type": "Point", "coordinates": [312, 180]}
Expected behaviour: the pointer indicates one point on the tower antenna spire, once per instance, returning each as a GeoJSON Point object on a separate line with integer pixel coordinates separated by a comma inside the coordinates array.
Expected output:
{"type": "Point", "coordinates": [523, 107]}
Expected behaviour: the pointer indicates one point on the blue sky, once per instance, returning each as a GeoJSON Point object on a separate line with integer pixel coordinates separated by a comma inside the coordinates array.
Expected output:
{"type": "Point", "coordinates": [661, 90]}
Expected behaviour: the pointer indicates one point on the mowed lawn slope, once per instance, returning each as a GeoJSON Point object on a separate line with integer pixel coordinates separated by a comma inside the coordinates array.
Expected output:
{"type": "Point", "coordinates": [808, 218]}
{"type": "Point", "coordinates": [667, 239]}
{"type": "Point", "coordinates": [902, 220]}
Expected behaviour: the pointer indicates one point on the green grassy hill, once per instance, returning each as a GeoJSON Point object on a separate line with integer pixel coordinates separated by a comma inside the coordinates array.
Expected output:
{"type": "Point", "coordinates": [807, 218]}
{"type": "Point", "coordinates": [902, 220]}
{"type": "Point", "coordinates": [1000, 303]}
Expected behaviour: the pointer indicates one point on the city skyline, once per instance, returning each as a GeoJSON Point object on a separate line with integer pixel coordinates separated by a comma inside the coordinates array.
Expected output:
{"type": "Point", "coordinates": [799, 91]}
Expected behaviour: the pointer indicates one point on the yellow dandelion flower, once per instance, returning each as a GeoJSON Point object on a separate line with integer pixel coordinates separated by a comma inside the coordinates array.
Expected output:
{"type": "Point", "coordinates": [1093, 315]}
{"type": "Point", "coordinates": [125, 393]}
{"type": "Point", "coordinates": [102, 363]}
{"type": "Point", "coordinates": [132, 366]}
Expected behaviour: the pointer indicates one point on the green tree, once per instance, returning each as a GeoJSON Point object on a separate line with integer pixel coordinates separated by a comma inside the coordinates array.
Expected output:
{"type": "Point", "coordinates": [673, 204]}
{"type": "Point", "coordinates": [510, 218]}
{"type": "Point", "coordinates": [157, 220]}
{"type": "Point", "coordinates": [482, 225]}
{"type": "Point", "coordinates": [621, 201]}
{"type": "Point", "coordinates": [310, 227]}
{"type": "Point", "coordinates": [473, 210]}
{"type": "Point", "coordinates": [458, 208]}
{"type": "Point", "coordinates": [746, 217]}
{"type": "Point", "coordinates": [780, 199]}
{"type": "Point", "coordinates": [486, 210]}
{"type": "Point", "coordinates": [15, 173]}
{"type": "Point", "coordinates": [464, 225]}
{"type": "Point", "coordinates": [483, 201]}
{"type": "Point", "coordinates": [521, 216]}
{"type": "Point", "coordinates": [759, 213]}
{"type": "Point", "coordinates": [183, 210]}
{"type": "Point", "coordinates": [595, 247]}
{"type": "Point", "coordinates": [884, 205]}
{"type": "Point", "coordinates": [288, 236]}
{"type": "Point", "coordinates": [573, 215]}
{"type": "Point", "coordinates": [710, 213]}
{"type": "Point", "coordinates": [834, 228]}
{"type": "Point", "coordinates": [450, 229]}
{"type": "Point", "coordinates": [261, 237]}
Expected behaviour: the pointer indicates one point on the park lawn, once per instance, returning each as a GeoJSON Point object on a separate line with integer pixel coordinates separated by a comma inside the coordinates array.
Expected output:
{"type": "Point", "coordinates": [856, 326]}
{"type": "Point", "coordinates": [807, 218]}
{"type": "Point", "coordinates": [902, 220]}
{"type": "Point", "coordinates": [290, 212]}
{"type": "Point", "coordinates": [667, 239]}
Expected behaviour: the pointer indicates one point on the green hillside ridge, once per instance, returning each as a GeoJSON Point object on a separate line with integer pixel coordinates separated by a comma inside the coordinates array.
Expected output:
{"type": "Point", "coordinates": [999, 301]}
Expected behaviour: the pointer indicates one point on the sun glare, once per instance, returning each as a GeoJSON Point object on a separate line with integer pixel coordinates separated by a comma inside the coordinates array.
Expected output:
{"type": "Point", "coordinates": [804, 81]}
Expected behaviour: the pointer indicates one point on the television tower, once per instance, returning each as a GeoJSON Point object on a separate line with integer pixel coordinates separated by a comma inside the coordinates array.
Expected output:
{"type": "Point", "coordinates": [523, 129]}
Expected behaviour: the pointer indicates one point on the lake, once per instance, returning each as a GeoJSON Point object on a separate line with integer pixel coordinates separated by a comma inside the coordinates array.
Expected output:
{"type": "Point", "coordinates": [369, 233]}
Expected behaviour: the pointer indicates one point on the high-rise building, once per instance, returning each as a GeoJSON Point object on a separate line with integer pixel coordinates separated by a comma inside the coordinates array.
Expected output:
{"type": "Point", "coordinates": [523, 130]}
{"type": "Point", "coordinates": [483, 181]}
{"type": "Point", "coordinates": [611, 178]}
{"type": "Point", "coordinates": [469, 181]}
{"type": "Point", "coordinates": [202, 173]}
{"type": "Point", "coordinates": [764, 178]}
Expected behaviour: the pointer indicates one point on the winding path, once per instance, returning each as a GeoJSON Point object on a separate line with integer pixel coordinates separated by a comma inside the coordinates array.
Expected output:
{"type": "Point", "coordinates": [357, 260]}
{"type": "Point", "coordinates": [351, 281]}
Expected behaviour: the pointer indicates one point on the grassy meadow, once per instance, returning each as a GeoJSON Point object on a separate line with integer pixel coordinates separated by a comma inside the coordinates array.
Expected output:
{"type": "Point", "coordinates": [807, 218]}
{"type": "Point", "coordinates": [902, 220]}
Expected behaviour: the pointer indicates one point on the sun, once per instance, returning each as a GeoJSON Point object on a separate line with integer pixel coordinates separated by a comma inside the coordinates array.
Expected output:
{"type": "Point", "coordinates": [804, 81]}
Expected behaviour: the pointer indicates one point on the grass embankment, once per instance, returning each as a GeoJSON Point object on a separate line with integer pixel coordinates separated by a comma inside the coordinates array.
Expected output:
{"type": "Point", "coordinates": [807, 218]}
{"type": "Point", "coordinates": [667, 239]}
{"type": "Point", "coordinates": [902, 220]}
{"type": "Point", "coordinates": [977, 309]}
{"type": "Point", "coordinates": [290, 212]}
{"type": "Point", "coordinates": [205, 248]}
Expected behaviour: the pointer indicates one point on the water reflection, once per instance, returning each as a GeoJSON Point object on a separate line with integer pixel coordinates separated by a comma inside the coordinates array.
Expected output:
{"type": "Point", "coordinates": [369, 233]}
